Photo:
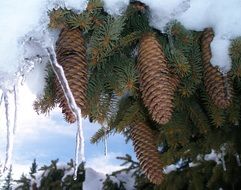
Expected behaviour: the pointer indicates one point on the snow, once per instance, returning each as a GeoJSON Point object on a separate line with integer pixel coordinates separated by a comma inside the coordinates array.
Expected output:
{"type": "Point", "coordinates": [192, 164]}
{"type": "Point", "coordinates": [238, 159]}
{"type": "Point", "coordinates": [168, 169]}
{"type": "Point", "coordinates": [78, 5]}
{"type": "Point", "coordinates": [164, 11]}
{"type": "Point", "coordinates": [93, 180]}
{"type": "Point", "coordinates": [127, 178]}
{"type": "Point", "coordinates": [23, 32]}
{"type": "Point", "coordinates": [115, 7]}
{"type": "Point", "coordinates": [214, 156]}
{"type": "Point", "coordinates": [18, 28]}
{"type": "Point", "coordinates": [223, 16]}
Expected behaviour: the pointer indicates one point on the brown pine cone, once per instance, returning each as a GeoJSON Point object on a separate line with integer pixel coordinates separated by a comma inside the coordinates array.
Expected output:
{"type": "Point", "coordinates": [71, 55]}
{"type": "Point", "coordinates": [146, 152]}
{"type": "Point", "coordinates": [218, 86]}
{"type": "Point", "coordinates": [156, 84]}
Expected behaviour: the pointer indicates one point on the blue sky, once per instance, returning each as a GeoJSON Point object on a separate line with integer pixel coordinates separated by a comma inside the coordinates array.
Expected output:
{"type": "Point", "coordinates": [50, 137]}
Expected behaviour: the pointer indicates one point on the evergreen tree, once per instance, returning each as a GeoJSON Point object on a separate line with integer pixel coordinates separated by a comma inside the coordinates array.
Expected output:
{"type": "Point", "coordinates": [53, 177]}
{"type": "Point", "coordinates": [109, 184]}
{"type": "Point", "coordinates": [33, 169]}
{"type": "Point", "coordinates": [24, 183]}
{"type": "Point", "coordinates": [8, 180]}
{"type": "Point", "coordinates": [158, 90]}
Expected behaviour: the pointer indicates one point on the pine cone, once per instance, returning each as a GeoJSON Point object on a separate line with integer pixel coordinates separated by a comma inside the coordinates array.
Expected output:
{"type": "Point", "coordinates": [71, 55]}
{"type": "Point", "coordinates": [146, 152]}
{"type": "Point", "coordinates": [156, 84]}
{"type": "Point", "coordinates": [218, 86]}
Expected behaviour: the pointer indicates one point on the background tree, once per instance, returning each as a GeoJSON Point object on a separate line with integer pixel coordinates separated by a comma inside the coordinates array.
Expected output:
{"type": "Point", "coordinates": [53, 177]}
{"type": "Point", "coordinates": [8, 183]}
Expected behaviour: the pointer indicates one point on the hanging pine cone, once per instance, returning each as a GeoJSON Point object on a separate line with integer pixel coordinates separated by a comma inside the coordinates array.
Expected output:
{"type": "Point", "coordinates": [146, 152]}
{"type": "Point", "coordinates": [156, 84]}
{"type": "Point", "coordinates": [217, 85]}
{"type": "Point", "coordinates": [71, 55]}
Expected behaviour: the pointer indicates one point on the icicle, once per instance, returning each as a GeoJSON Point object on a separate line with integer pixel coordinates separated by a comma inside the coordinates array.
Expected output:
{"type": "Point", "coordinates": [238, 159]}
{"type": "Point", "coordinates": [16, 102]}
{"type": "Point", "coordinates": [105, 127]}
{"type": "Point", "coordinates": [29, 66]}
{"type": "Point", "coordinates": [79, 150]}
{"type": "Point", "coordinates": [9, 146]}
{"type": "Point", "coordinates": [223, 163]}
{"type": "Point", "coordinates": [1, 100]}
{"type": "Point", "coordinates": [170, 38]}
{"type": "Point", "coordinates": [222, 158]}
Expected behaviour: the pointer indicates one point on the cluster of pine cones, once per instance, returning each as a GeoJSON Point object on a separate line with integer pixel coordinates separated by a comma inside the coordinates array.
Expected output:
{"type": "Point", "coordinates": [157, 87]}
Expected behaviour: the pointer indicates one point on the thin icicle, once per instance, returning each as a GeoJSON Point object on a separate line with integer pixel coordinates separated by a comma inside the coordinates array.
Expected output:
{"type": "Point", "coordinates": [79, 150]}
{"type": "Point", "coordinates": [16, 103]}
{"type": "Point", "coordinates": [1, 100]}
{"type": "Point", "coordinates": [238, 159]}
{"type": "Point", "coordinates": [222, 158]}
{"type": "Point", "coordinates": [9, 146]}
{"type": "Point", "coordinates": [105, 127]}
{"type": "Point", "coordinates": [170, 38]}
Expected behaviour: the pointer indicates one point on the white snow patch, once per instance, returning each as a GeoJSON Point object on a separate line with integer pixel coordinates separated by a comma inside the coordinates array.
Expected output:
{"type": "Point", "coordinates": [115, 7]}
{"type": "Point", "coordinates": [223, 16]}
{"type": "Point", "coordinates": [213, 156]}
{"type": "Point", "coordinates": [127, 178]}
{"type": "Point", "coordinates": [104, 164]}
{"type": "Point", "coordinates": [93, 180]}
{"type": "Point", "coordinates": [192, 164]}
{"type": "Point", "coordinates": [220, 54]}
{"type": "Point", "coordinates": [164, 11]}
{"type": "Point", "coordinates": [170, 168]}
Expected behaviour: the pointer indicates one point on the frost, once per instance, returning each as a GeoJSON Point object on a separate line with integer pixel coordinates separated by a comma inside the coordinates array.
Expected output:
{"type": "Point", "coordinates": [79, 151]}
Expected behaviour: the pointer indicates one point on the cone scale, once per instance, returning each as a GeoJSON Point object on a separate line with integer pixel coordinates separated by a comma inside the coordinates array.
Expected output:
{"type": "Point", "coordinates": [156, 84]}
{"type": "Point", "coordinates": [146, 152]}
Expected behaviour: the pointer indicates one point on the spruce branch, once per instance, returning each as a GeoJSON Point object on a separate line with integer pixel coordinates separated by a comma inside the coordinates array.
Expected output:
{"type": "Point", "coordinates": [48, 101]}
{"type": "Point", "coordinates": [104, 38]}
{"type": "Point", "coordinates": [82, 21]}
